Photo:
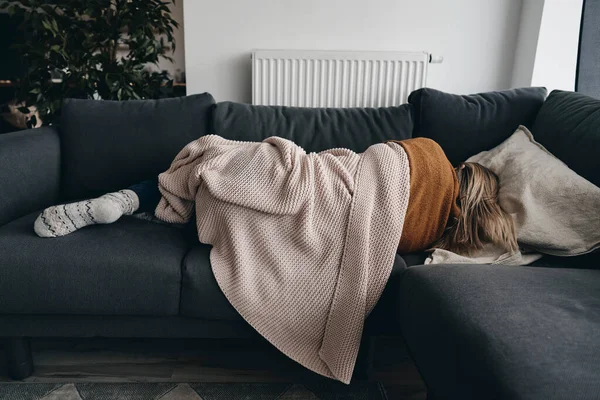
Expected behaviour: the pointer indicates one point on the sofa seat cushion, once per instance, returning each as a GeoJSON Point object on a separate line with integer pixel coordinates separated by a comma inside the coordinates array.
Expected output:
{"type": "Point", "coordinates": [201, 296]}
{"type": "Point", "coordinates": [503, 332]}
{"type": "Point", "coordinates": [131, 267]}
{"type": "Point", "coordinates": [381, 321]}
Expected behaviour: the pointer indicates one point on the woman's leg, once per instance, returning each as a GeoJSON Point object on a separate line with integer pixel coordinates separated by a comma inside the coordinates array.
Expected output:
{"type": "Point", "coordinates": [64, 219]}
{"type": "Point", "coordinates": [148, 195]}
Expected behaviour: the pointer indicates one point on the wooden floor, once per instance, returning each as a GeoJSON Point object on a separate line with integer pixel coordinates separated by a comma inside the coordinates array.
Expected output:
{"type": "Point", "coordinates": [127, 360]}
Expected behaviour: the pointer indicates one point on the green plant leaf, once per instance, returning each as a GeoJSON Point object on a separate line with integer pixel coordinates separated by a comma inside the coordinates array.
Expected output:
{"type": "Point", "coordinates": [47, 25]}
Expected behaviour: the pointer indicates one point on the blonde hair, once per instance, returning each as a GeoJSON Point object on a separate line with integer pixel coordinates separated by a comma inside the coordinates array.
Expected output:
{"type": "Point", "coordinates": [481, 220]}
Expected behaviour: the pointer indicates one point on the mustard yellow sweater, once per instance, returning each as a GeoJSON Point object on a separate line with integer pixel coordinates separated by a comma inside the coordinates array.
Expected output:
{"type": "Point", "coordinates": [433, 194]}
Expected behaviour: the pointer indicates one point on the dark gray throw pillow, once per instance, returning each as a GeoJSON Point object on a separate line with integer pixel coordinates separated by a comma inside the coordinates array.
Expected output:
{"type": "Point", "coordinates": [568, 125]}
{"type": "Point", "coordinates": [110, 145]}
{"type": "Point", "coordinates": [465, 125]}
{"type": "Point", "coordinates": [314, 129]}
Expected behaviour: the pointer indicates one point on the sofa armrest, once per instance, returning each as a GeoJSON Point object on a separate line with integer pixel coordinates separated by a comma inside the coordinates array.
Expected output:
{"type": "Point", "coordinates": [29, 172]}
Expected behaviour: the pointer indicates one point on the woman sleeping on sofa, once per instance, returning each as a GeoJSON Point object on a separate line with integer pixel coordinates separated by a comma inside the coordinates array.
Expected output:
{"type": "Point", "coordinates": [303, 244]}
{"type": "Point", "coordinates": [456, 210]}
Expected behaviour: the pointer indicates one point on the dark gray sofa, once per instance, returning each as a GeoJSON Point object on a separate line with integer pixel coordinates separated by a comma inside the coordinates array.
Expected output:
{"type": "Point", "coordinates": [135, 278]}
{"type": "Point", "coordinates": [505, 332]}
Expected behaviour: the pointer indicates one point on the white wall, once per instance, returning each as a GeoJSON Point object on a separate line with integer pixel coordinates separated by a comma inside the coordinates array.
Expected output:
{"type": "Point", "coordinates": [476, 37]}
{"type": "Point", "coordinates": [558, 43]}
{"type": "Point", "coordinates": [527, 41]}
{"type": "Point", "coordinates": [548, 44]}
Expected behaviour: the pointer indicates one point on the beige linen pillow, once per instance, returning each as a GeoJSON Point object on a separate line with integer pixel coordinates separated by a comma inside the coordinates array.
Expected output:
{"type": "Point", "coordinates": [557, 212]}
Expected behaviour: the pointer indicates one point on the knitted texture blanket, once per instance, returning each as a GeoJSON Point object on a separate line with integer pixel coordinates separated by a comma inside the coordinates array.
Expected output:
{"type": "Point", "coordinates": [303, 244]}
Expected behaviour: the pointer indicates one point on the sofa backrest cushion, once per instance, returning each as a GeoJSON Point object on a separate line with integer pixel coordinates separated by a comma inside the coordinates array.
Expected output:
{"type": "Point", "coordinates": [109, 145]}
{"type": "Point", "coordinates": [465, 125]}
{"type": "Point", "coordinates": [314, 129]}
{"type": "Point", "coordinates": [568, 125]}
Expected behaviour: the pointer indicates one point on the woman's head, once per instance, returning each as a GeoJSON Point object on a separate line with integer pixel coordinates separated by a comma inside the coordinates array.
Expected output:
{"type": "Point", "coordinates": [481, 220]}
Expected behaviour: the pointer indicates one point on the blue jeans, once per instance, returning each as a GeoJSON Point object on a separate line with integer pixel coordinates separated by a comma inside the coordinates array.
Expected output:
{"type": "Point", "coordinates": [148, 194]}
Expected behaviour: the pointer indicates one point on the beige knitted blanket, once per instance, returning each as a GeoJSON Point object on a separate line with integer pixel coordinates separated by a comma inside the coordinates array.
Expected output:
{"type": "Point", "coordinates": [303, 244]}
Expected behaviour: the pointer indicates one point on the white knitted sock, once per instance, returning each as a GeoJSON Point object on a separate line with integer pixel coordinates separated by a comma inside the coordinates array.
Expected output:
{"type": "Point", "coordinates": [63, 219]}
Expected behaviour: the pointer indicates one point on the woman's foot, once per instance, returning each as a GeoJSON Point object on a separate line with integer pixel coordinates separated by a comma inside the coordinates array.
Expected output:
{"type": "Point", "coordinates": [63, 219]}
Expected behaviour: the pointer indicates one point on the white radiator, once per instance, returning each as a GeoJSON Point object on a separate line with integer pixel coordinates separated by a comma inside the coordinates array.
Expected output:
{"type": "Point", "coordinates": [336, 78]}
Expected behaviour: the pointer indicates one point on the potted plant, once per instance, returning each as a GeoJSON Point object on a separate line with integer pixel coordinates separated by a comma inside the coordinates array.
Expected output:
{"type": "Point", "coordinates": [91, 49]}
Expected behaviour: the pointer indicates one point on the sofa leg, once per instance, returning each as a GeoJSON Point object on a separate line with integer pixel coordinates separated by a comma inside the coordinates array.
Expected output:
{"type": "Point", "coordinates": [18, 356]}
{"type": "Point", "coordinates": [363, 369]}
